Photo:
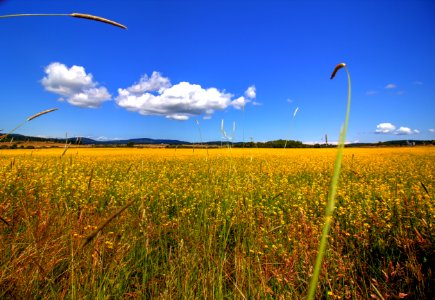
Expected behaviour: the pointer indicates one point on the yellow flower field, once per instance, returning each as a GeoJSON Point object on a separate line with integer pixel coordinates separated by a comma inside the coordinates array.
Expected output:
{"type": "Point", "coordinates": [214, 223]}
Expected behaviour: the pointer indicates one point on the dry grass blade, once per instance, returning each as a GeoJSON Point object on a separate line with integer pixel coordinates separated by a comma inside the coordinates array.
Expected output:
{"type": "Point", "coordinates": [424, 187]}
{"type": "Point", "coordinates": [93, 234]}
{"type": "Point", "coordinates": [337, 67]}
{"type": "Point", "coordinates": [41, 113]}
{"type": "Point", "coordinates": [65, 149]}
{"type": "Point", "coordinates": [90, 178]}
{"type": "Point", "coordinates": [99, 19]}
{"type": "Point", "coordinates": [4, 221]}
{"type": "Point", "coordinates": [377, 291]}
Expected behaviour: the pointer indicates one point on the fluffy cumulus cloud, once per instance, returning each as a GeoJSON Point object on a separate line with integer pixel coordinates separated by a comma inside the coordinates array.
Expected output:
{"type": "Point", "coordinates": [403, 131]}
{"type": "Point", "coordinates": [250, 95]}
{"type": "Point", "coordinates": [74, 85]}
{"type": "Point", "coordinates": [388, 128]}
{"type": "Point", "coordinates": [385, 128]}
{"type": "Point", "coordinates": [156, 95]}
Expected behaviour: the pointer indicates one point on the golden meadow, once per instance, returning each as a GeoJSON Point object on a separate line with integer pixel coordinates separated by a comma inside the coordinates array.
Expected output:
{"type": "Point", "coordinates": [216, 223]}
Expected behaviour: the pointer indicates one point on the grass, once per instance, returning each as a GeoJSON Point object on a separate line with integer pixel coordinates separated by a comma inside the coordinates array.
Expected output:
{"type": "Point", "coordinates": [330, 206]}
{"type": "Point", "coordinates": [231, 226]}
{"type": "Point", "coordinates": [226, 227]}
{"type": "Point", "coordinates": [74, 15]}
{"type": "Point", "coordinates": [37, 115]}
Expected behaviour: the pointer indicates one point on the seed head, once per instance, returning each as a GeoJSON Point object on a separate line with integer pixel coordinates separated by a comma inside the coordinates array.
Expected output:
{"type": "Point", "coordinates": [337, 67]}
{"type": "Point", "coordinates": [96, 18]}
{"type": "Point", "coordinates": [296, 111]}
{"type": "Point", "coordinates": [41, 113]}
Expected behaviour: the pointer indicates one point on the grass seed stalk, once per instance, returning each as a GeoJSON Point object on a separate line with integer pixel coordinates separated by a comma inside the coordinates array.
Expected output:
{"type": "Point", "coordinates": [74, 15]}
{"type": "Point", "coordinates": [332, 191]}
{"type": "Point", "coordinates": [27, 120]}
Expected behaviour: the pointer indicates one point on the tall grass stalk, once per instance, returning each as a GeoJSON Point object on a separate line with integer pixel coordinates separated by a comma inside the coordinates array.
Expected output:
{"type": "Point", "coordinates": [330, 206]}
{"type": "Point", "coordinates": [27, 120]}
{"type": "Point", "coordinates": [200, 137]}
{"type": "Point", "coordinates": [294, 115]}
{"type": "Point", "coordinates": [74, 15]}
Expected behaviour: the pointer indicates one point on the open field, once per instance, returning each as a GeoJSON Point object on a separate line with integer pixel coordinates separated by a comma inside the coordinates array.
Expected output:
{"type": "Point", "coordinates": [217, 223]}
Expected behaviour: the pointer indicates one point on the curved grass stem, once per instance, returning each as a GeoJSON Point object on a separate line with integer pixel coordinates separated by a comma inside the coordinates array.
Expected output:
{"type": "Point", "coordinates": [332, 192]}
{"type": "Point", "coordinates": [75, 15]}
{"type": "Point", "coordinates": [27, 120]}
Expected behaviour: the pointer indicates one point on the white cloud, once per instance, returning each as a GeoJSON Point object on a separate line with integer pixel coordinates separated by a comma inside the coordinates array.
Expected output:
{"type": "Point", "coordinates": [157, 83]}
{"type": "Point", "coordinates": [385, 128]}
{"type": "Point", "coordinates": [371, 93]}
{"type": "Point", "coordinates": [251, 92]}
{"type": "Point", "coordinates": [388, 128]}
{"type": "Point", "coordinates": [239, 103]}
{"type": "Point", "coordinates": [74, 85]}
{"type": "Point", "coordinates": [418, 82]}
{"type": "Point", "coordinates": [391, 86]}
{"type": "Point", "coordinates": [432, 130]}
{"type": "Point", "coordinates": [403, 131]}
{"type": "Point", "coordinates": [156, 96]}
{"type": "Point", "coordinates": [102, 138]}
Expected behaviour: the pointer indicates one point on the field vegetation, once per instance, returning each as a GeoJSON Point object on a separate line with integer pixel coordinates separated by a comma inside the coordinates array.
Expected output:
{"type": "Point", "coordinates": [215, 223]}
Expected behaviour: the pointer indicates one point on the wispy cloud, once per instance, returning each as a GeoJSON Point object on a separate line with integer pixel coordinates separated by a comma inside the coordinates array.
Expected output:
{"type": "Point", "coordinates": [418, 82]}
{"type": "Point", "coordinates": [432, 130]}
{"type": "Point", "coordinates": [389, 128]}
{"type": "Point", "coordinates": [391, 86]}
{"type": "Point", "coordinates": [371, 93]}
{"type": "Point", "coordinates": [74, 85]}
{"type": "Point", "coordinates": [156, 95]}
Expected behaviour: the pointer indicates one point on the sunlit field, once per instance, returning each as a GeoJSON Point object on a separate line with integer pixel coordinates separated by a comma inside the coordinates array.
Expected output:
{"type": "Point", "coordinates": [216, 223]}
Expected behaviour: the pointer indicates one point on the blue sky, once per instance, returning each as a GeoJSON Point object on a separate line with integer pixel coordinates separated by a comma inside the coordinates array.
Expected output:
{"type": "Point", "coordinates": [181, 63]}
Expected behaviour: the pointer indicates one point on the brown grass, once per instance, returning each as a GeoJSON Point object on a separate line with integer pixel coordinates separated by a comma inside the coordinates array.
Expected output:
{"type": "Point", "coordinates": [99, 19]}
{"type": "Point", "coordinates": [41, 113]}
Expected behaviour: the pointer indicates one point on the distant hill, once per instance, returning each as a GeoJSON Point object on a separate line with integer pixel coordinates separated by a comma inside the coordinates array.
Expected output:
{"type": "Point", "coordinates": [88, 141]}
{"type": "Point", "coordinates": [16, 138]}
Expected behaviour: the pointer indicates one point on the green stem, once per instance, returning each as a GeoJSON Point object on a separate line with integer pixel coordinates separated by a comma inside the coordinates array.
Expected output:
{"type": "Point", "coordinates": [331, 199]}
